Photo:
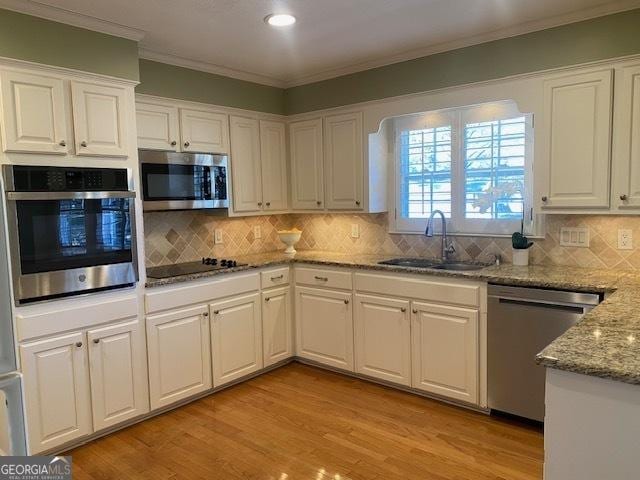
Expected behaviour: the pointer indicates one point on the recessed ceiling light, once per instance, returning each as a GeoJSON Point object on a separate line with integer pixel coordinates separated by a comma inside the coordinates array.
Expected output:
{"type": "Point", "coordinates": [280, 19]}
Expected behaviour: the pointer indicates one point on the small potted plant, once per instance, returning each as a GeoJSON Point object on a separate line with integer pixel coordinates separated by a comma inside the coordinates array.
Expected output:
{"type": "Point", "coordinates": [521, 246]}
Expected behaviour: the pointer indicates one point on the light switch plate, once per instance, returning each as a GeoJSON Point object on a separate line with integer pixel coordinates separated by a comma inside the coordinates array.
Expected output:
{"type": "Point", "coordinates": [575, 237]}
{"type": "Point", "coordinates": [355, 230]}
{"type": "Point", "coordinates": [217, 236]}
{"type": "Point", "coordinates": [625, 239]}
{"type": "Point", "coordinates": [257, 231]}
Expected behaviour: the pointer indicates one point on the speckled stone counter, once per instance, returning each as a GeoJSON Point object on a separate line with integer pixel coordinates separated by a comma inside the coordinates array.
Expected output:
{"type": "Point", "coordinates": [606, 343]}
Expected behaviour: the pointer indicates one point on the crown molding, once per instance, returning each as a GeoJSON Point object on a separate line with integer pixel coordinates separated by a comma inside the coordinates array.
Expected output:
{"type": "Point", "coordinates": [61, 15]}
{"type": "Point", "coordinates": [413, 54]}
{"type": "Point", "coordinates": [178, 61]}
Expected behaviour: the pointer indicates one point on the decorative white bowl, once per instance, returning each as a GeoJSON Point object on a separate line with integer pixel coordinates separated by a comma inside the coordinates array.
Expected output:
{"type": "Point", "coordinates": [290, 238]}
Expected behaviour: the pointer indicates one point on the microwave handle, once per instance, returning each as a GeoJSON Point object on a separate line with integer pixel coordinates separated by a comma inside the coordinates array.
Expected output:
{"type": "Point", "coordinates": [68, 195]}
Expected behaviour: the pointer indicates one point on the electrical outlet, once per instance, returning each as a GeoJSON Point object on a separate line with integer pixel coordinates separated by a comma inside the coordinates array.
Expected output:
{"type": "Point", "coordinates": [217, 236]}
{"type": "Point", "coordinates": [355, 230]}
{"type": "Point", "coordinates": [257, 231]}
{"type": "Point", "coordinates": [625, 239]}
{"type": "Point", "coordinates": [574, 237]}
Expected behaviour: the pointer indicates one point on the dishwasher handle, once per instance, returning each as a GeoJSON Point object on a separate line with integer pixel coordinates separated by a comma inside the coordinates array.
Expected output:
{"type": "Point", "coordinates": [549, 306]}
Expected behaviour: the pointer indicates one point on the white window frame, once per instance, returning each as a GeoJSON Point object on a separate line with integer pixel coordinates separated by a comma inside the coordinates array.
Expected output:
{"type": "Point", "coordinates": [457, 118]}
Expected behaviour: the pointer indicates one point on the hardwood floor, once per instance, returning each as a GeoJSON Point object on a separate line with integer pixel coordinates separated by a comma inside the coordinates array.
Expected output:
{"type": "Point", "coordinates": [299, 422]}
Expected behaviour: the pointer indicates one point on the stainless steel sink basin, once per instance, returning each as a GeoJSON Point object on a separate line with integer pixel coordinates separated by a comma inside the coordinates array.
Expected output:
{"type": "Point", "coordinates": [435, 264]}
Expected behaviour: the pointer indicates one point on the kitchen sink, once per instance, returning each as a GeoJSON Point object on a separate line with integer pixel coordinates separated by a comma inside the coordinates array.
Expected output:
{"type": "Point", "coordinates": [435, 264]}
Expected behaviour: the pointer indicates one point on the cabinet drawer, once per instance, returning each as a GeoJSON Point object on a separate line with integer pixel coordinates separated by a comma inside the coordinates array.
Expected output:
{"type": "Point", "coordinates": [440, 290]}
{"type": "Point", "coordinates": [324, 278]}
{"type": "Point", "coordinates": [274, 277]}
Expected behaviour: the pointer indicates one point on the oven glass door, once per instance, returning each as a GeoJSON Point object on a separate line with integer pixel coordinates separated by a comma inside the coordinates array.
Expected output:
{"type": "Point", "coordinates": [63, 234]}
{"type": "Point", "coordinates": [167, 182]}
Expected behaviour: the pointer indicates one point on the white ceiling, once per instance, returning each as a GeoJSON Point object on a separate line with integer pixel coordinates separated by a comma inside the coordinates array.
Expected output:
{"type": "Point", "coordinates": [331, 37]}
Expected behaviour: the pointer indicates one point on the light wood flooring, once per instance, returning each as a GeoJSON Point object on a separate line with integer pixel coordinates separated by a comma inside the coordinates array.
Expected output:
{"type": "Point", "coordinates": [300, 422]}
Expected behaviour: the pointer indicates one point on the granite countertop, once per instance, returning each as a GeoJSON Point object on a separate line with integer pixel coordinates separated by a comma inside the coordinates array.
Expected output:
{"type": "Point", "coordinates": [605, 343]}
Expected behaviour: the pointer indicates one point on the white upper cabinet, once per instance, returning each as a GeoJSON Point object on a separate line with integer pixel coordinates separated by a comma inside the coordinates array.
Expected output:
{"type": "Point", "coordinates": [158, 126]}
{"type": "Point", "coordinates": [118, 374]}
{"type": "Point", "coordinates": [626, 151]}
{"type": "Point", "coordinates": [307, 171]}
{"type": "Point", "coordinates": [445, 351]}
{"type": "Point", "coordinates": [245, 164]}
{"type": "Point", "coordinates": [34, 118]}
{"type": "Point", "coordinates": [577, 141]}
{"type": "Point", "coordinates": [343, 161]}
{"type": "Point", "coordinates": [100, 119]}
{"type": "Point", "coordinates": [204, 132]}
{"type": "Point", "coordinates": [236, 338]}
{"type": "Point", "coordinates": [56, 391]}
{"type": "Point", "coordinates": [273, 152]}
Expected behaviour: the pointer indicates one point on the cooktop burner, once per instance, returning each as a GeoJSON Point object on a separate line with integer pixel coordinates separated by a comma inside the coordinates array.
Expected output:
{"type": "Point", "coordinates": [207, 264]}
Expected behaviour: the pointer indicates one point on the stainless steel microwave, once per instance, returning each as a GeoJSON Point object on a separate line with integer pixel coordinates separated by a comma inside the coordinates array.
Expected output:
{"type": "Point", "coordinates": [183, 181]}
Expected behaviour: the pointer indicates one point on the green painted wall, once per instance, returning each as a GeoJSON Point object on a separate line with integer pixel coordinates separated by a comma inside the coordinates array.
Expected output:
{"type": "Point", "coordinates": [605, 37]}
{"type": "Point", "coordinates": [185, 84]}
{"type": "Point", "coordinates": [38, 40]}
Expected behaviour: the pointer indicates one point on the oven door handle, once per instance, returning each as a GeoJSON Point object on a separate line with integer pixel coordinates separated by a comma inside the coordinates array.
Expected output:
{"type": "Point", "coordinates": [68, 195]}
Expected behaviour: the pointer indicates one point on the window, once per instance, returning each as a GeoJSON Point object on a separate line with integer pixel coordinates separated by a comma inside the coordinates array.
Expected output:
{"type": "Point", "coordinates": [473, 164]}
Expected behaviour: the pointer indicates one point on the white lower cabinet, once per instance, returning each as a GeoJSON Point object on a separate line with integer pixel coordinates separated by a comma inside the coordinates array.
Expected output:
{"type": "Point", "coordinates": [118, 380]}
{"type": "Point", "coordinates": [179, 355]}
{"type": "Point", "coordinates": [236, 338]}
{"type": "Point", "coordinates": [324, 327]}
{"type": "Point", "coordinates": [277, 327]}
{"type": "Point", "coordinates": [445, 351]}
{"type": "Point", "coordinates": [56, 390]}
{"type": "Point", "coordinates": [383, 338]}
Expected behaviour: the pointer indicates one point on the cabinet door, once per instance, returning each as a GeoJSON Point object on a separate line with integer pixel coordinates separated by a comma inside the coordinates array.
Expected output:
{"type": "Point", "coordinates": [118, 374]}
{"type": "Point", "coordinates": [179, 355]}
{"type": "Point", "coordinates": [343, 161]}
{"type": "Point", "coordinates": [383, 338]}
{"type": "Point", "coordinates": [56, 390]}
{"type": "Point", "coordinates": [273, 153]}
{"type": "Point", "coordinates": [277, 327]}
{"type": "Point", "coordinates": [626, 161]}
{"type": "Point", "coordinates": [33, 114]}
{"type": "Point", "coordinates": [204, 132]}
{"type": "Point", "coordinates": [236, 338]}
{"type": "Point", "coordinates": [157, 127]}
{"type": "Point", "coordinates": [99, 119]}
{"type": "Point", "coordinates": [577, 141]}
{"type": "Point", "coordinates": [245, 164]}
{"type": "Point", "coordinates": [307, 171]}
{"type": "Point", "coordinates": [445, 351]}
{"type": "Point", "coordinates": [324, 327]}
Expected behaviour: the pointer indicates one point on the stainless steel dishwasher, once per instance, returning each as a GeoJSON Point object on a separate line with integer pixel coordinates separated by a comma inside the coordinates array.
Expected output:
{"type": "Point", "coordinates": [521, 323]}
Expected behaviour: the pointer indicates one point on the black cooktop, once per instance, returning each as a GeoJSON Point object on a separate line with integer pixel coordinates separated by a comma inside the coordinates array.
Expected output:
{"type": "Point", "coordinates": [189, 268]}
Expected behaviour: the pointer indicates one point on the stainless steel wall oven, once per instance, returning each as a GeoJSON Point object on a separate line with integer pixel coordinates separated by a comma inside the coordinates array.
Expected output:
{"type": "Point", "coordinates": [71, 230]}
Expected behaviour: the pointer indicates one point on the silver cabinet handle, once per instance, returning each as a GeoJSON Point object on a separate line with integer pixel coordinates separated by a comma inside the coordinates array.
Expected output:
{"type": "Point", "coordinates": [346, 302]}
{"type": "Point", "coordinates": [62, 143]}
{"type": "Point", "coordinates": [545, 198]}
{"type": "Point", "coordinates": [322, 279]}
{"type": "Point", "coordinates": [83, 144]}
{"type": "Point", "coordinates": [624, 197]}
{"type": "Point", "coordinates": [403, 309]}
{"type": "Point", "coordinates": [186, 144]}
{"type": "Point", "coordinates": [78, 344]}
{"type": "Point", "coordinates": [174, 143]}
{"type": "Point", "coordinates": [96, 340]}
{"type": "Point", "coordinates": [279, 277]}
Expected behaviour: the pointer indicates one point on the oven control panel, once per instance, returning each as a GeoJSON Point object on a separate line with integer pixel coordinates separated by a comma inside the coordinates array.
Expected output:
{"type": "Point", "coordinates": [60, 179]}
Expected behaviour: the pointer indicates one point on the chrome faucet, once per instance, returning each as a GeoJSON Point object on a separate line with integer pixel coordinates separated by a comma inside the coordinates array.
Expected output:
{"type": "Point", "coordinates": [447, 248]}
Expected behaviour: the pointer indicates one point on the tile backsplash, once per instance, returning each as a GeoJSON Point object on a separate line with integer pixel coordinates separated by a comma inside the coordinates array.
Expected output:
{"type": "Point", "coordinates": [173, 237]}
